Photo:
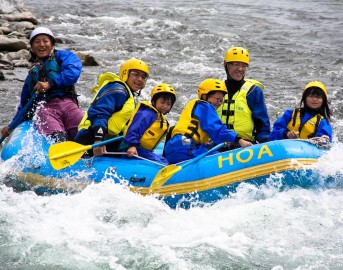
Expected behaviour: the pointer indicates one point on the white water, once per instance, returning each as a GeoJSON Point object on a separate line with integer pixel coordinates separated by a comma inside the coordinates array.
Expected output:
{"type": "Point", "coordinates": [108, 227]}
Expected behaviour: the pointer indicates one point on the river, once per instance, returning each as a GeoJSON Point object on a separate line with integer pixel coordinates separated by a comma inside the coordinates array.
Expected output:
{"type": "Point", "coordinates": [184, 42]}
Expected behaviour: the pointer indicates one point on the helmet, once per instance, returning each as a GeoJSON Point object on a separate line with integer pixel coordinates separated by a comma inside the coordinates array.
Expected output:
{"type": "Point", "coordinates": [40, 31]}
{"type": "Point", "coordinates": [163, 88]}
{"type": "Point", "coordinates": [210, 85]}
{"type": "Point", "coordinates": [237, 54]}
{"type": "Point", "coordinates": [318, 84]}
{"type": "Point", "coordinates": [132, 64]}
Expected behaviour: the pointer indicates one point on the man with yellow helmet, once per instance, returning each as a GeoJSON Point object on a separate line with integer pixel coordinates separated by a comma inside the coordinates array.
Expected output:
{"type": "Point", "coordinates": [199, 122]}
{"type": "Point", "coordinates": [113, 103]}
{"type": "Point", "coordinates": [308, 121]}
{"type": "Point", "coordinates": [243, 109]}
{"type": "Point", "coordinates": [148, 125]}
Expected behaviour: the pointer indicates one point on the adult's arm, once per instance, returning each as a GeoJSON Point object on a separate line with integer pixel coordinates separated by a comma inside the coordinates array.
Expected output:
{"type": "Point", "coordinates": [256, 103]}
{"type": "Point", "coordinates": [71, 67]}
{"type": "Point", "coordinates": [110, 99]}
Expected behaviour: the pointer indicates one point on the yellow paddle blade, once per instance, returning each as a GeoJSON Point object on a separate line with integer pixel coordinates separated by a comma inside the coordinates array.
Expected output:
{"type": "Point", "coordinates": [163, 175]}
{"type": "Point", "coordinates": [62, 155]}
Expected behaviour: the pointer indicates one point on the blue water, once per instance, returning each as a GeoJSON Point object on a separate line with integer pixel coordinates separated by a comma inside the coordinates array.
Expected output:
{"type": "Point", "coordinates": [108, 227]}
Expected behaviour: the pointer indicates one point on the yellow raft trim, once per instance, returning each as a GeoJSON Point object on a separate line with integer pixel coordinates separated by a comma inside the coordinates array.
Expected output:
{"type": "Point", "coordinates": [37, 180]}
{"type": "Point", "coordinates": [70, 185]}
{"type": "Point", "coordinates": [229, 178]}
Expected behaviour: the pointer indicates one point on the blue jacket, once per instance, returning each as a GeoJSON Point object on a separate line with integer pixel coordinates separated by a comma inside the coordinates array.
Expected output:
{"type": "Point", "coordinates": [280, 126]}
{"type": "Point", "coordinates": [256, 103]}
{"type": "Point", "coordinates": [71, 67]}
{"type": "Point", "coordinates": [100, 111]}
{"type": "Point", "coordinates": [212, 125]}
{"type": "Point", "coordinates": [177, 150]}
{"type": "Point", "coordinates": [142, 120]}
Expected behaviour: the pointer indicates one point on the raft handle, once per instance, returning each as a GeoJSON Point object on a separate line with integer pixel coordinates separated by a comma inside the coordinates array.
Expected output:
{"type": "Point", "coordinates": [136, 179]}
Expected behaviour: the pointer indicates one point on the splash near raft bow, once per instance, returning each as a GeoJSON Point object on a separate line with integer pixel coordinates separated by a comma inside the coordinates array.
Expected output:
{"type": "Point", "coordinates": [205, 180]}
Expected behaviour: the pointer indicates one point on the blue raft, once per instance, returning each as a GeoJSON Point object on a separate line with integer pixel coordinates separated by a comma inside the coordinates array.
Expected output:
{"type": "Point", "coordinates": [208, 180]}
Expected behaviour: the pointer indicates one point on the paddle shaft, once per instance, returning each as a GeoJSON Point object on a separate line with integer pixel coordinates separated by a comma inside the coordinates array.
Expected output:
{"type": "Point", "coordinates": [136, 156]}
{"type": "Point", "coordinates": [165, 173]}
{"type": "Point", "coordinates": [202, 155]}
{"type": "Point", "coordinates": [84, 148]}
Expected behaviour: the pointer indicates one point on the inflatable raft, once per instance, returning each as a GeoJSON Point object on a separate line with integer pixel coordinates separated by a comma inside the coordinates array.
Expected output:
{"type": "Point", "coordinates": [199, 181]}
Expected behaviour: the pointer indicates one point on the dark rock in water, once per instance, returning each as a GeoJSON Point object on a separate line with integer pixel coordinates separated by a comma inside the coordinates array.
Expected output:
{"type": "Point", "coordinates": [64, 40]}
{"type": "Point", "coordinates": [87, 60]}
{"type": "Point", "coordinates": [2, 76]}
{"type": "Point", "coordinates": [90, 61]}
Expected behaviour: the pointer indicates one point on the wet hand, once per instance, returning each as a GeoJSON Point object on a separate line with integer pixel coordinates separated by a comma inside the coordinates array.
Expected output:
{"type": "Point", "coordinates": [4, 132]}
{"type": "Point", "coordinates": [42, 87]}
{"type": "Point", "coordinates": [292, 134]}
{"type": "Point", "coordinates": [99, 151]}
{"type": "Point", "coordinates": [132, 151]}
{"type": "Point", "coordinates": [244, 143]}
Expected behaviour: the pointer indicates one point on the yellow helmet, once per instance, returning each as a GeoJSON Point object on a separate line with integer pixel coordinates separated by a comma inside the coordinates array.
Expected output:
{"type": "Point", "coordinates": [318, 84]}
{"type": "Point", "coordinates": [132, 64]}
{"type": "Point", "coordinates": [237, 54]}
{"type": "Point", "coordinates": [163, 88]}
{"type": "Point", "coordinates": [210, 85]}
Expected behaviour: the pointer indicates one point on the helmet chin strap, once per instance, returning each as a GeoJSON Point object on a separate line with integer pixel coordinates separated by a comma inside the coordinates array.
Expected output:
{"type": "Point", "coordinates": [137, 93]}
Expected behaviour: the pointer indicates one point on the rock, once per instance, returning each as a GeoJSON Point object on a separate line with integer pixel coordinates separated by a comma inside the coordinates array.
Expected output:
{"type": "Point", "coordinates": [5, 30]}
{"type": "Point", "coordinates": [21, 26]}
{"type": "Point", "coordinates": [21, 63]}
{"type": "Point", "coordinates": [12, 44]}
{"type": "Point", "coordinates": [19, 17]}
{"type": "Point", "coordinates": [2, 76]}
{"type": "Point", "coordinates": [64, 40]}
{"type": "Point", "coordinates": [19, 55]}
{"type": "Point", "coordinates": [87, 60]}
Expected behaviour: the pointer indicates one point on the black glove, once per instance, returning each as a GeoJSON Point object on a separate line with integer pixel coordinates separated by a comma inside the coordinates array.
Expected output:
{"type": "Point", "coordinates": [99, 133]}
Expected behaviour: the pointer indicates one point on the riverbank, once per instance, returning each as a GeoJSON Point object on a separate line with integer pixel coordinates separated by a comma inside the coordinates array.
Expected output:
{"type": "Point", "coordinates": [16, 24]}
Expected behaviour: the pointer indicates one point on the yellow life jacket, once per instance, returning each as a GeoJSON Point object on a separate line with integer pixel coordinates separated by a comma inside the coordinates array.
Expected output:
{"type": "Point", "coordinates": [308, 129]}
{"type": "Point", "coordinates": [156, 132]}
{"type": "Point", "coordinates": [189, 126]}
{"type": "Point", "coordinates": [236, 114]}
{"type": "Point", "coordinates": [116, 123]}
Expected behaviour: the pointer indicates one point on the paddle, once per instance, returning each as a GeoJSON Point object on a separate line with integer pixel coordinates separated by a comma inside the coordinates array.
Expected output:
{"type": "Point", "coordinates": [136, 156]}
{"type": "Point", "coordinates": [165, 173]}
{"type": "Point", "coordinates": [64, 154]}
{"type": "Point", "coordinates": [19, 118]}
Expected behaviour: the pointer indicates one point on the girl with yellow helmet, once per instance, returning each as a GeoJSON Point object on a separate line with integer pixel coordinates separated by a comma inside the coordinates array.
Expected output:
{"type": "Point", "coordinates": [308, 121]}
{"type": "Point", "coordinates": [199, 122]}
{"type": "Point", "coordinates": [148, 125]}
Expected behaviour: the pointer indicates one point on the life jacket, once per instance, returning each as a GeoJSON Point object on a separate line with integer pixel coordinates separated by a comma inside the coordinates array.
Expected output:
{"type": "Point", "coordinates": [47, 71]}
{"type": "Point", "coordinates": [189, 126]}
{"type": "Point", "coordinates": [116, 123]}
{"type": "Point", "coordinates": [236, 114]}
{"type": "Point", "coordinates": [306, 130]}
{"type": "Point", "coordinates": [156, 132]}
